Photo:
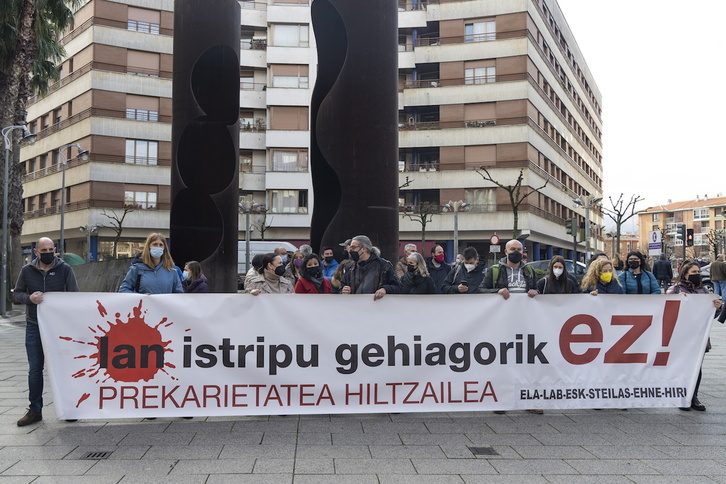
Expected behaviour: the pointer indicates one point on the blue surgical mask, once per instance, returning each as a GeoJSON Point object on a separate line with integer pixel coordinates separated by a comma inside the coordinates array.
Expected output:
{"type": "Point", "coordinates": [185, 275]}
{"type": "Point", "coordinates": [156, 252]}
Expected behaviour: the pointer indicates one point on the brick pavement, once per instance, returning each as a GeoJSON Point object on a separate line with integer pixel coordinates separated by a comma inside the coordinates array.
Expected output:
{"type": "Point", "coordinates": [646, 446]}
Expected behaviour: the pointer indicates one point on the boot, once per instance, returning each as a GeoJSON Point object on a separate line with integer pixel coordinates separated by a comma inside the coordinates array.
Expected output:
{"type": "Point", "coordinates": [697, 405]}
{"type": "Point", "coordinates": [30, 418]}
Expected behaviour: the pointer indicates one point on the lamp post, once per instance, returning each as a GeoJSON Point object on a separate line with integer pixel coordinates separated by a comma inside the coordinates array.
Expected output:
{"type": "Point", "coordinates": [29, 138]}
{"type": "Point", "coordinates": [82, 154]}
{"type": "Point", "coordinates": [456, 206]}
{"type": "Point", "coordinates": [587, 202]}
{"type": "Point", "coordinates": [248, 206]}
{"type": "Point", "coordinates": [89, 230]}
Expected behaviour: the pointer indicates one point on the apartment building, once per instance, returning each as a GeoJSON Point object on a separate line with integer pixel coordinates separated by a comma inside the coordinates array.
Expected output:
{"type": "Point", "coordinates": [495, 84]}
{"type": "Point", "coordinates": [705, 217]}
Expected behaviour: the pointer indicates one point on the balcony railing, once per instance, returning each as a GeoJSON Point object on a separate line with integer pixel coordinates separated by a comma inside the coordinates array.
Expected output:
{"type": "Point", "coordinates": [462, 81]}
{"type": "Point", "coordinates": [470, 123]}
{"type": "Point", "coordinates": [247, 5]}
{"type": "Point", "coordinates": [85, 204]}
{"type": "Point", "coordinates": [470, 38]}
{"type": "Point", "coordinates": [253, 44]}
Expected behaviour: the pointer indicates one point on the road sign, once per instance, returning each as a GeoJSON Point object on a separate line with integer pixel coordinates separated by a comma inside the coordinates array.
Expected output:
{"type": "Point", "coordinates": [494, 240]}
{"type": "Point", "coordinates": [495, 248]}
{"type": "Point", "coordinates": [654, 242]}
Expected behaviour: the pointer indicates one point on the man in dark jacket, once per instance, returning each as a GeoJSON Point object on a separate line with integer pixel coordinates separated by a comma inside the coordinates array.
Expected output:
{"type": "Point", "coordinates": [511, 275]}
{"type": "Point", "coordinates": [369, 273]}
{"type": "Point", "coordinates": [466, 277]}
{"type": "Point", "coordinates": [46, 273]}
{"type": "Point", "coordinates": [663, 271]}
{"type": "Point", "coordinates": [438, 268]}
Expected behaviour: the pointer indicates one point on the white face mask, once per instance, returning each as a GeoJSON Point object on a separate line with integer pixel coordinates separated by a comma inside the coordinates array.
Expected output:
{"type": "Point", "coordinates": [469, 267]}
{"type": "Point", "coordinates": [557, 272]}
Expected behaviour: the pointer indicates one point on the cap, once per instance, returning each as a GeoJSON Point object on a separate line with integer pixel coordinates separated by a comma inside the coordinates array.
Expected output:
{"type": "Point", "coordinates": [346, 243]}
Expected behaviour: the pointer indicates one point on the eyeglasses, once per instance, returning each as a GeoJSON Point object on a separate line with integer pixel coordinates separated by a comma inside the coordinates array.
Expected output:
{"type": "Point", "coordinates": [354, 248]}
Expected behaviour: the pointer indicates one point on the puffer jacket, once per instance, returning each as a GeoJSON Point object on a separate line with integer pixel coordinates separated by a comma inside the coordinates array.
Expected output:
{"type": "Point", "coordinates": [647, 279]}
{"type": "Point", "coordinates": [59, 278]}
{"type": "Point", "coordinates": [143, 279]}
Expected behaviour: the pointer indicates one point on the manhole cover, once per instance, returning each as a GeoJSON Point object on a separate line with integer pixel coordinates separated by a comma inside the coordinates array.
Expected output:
{"type": "Point", "coordinates": [96, 455]}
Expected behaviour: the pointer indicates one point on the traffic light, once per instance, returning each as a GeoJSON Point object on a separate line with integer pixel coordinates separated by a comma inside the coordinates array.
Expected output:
{"type": "Point", "coordinates": [689, 237]}
{"type": "Point", "coordinates": [568, 225]}
{"type": "Point", "coordinates": [681, 233]}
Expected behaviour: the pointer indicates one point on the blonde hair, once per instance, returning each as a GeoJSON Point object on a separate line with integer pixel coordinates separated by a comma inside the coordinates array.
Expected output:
{"type": "Point", "coordinates": [166, 259]}
{"type": "Point", "coordinates": [593, 274]}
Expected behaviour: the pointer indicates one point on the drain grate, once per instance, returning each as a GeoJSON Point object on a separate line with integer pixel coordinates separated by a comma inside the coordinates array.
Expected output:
{"type": "Point", "coordinates": [100, 455]}
{"type": "Point", "coordinates": [483, 451]}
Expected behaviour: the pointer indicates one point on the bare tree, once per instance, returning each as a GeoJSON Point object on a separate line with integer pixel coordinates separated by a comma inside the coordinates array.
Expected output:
{"type": "Point", "coordinates": [621, 213]}
{"type": "Point", "coordinates": [716, 241]}
{"type": "Point", "coordinates": [516, 196]}
{"type": "Point", "coordinates": [423, 213]}
{"type": "Point", "coordinates": [117, 224]}
{"type": "Point", "coordinates": [262, 224]}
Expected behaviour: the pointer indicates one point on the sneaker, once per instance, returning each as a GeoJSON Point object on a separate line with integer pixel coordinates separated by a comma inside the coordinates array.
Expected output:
{"type": "Point", "coordinates": [30, 418]}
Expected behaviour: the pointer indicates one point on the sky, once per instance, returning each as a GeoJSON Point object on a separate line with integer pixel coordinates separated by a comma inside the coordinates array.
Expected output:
{"type": "Point", "coordinates": [659, 66]}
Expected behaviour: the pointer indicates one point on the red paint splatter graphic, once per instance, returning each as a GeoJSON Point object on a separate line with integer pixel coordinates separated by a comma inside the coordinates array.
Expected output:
{"type": "Point", "coordinates": [83, 397]}
{"type": "Point", "coordinates": [129, 351]}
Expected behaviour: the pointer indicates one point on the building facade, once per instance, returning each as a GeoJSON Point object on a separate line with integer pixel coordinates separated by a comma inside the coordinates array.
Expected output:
{"type": "Point", "coordinates": [705, 217]}
{"type": "Point", "coordinates": [500, 85]}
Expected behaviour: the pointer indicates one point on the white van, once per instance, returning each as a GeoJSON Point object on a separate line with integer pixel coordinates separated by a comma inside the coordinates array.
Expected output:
{"type": "Point", "coordinates": [257, 247]}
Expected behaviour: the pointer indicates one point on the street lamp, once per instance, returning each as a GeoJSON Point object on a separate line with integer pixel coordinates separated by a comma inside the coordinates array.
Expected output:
{"type": "Point", "coordinates": [587, 202]}
{"type": "Point", "coordinates": [28, 137]}
{"type": "Point", "coordinates": [82, 154]}
{"type": "Point", "coordinates": [456, 206]}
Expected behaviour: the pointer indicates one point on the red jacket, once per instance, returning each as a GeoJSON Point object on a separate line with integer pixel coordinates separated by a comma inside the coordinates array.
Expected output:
{"type": "Point", "coordinates": [303, 286]}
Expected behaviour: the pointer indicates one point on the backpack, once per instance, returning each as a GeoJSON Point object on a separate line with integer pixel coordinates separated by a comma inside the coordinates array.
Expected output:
{"type": "Point", "coordinates": [495, 273]}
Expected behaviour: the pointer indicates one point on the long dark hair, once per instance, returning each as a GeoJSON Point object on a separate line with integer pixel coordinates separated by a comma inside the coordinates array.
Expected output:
{"type": "Point", "coordinates": [644, 266]}
{"type": "Point", "coordinates": [304, 267]}
{"type": "Point", "coordinates": [685, 267]}
{"type": "Point", "coordinates": [195, 270]}
{"type": "Point", "coordinates": [266, 259]}
{"type": "Point", "coordinates": [552, 280]}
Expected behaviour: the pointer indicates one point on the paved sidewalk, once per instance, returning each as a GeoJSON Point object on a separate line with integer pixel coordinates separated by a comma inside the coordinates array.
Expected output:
{"type": "Point", "coordinates": [581, 446]}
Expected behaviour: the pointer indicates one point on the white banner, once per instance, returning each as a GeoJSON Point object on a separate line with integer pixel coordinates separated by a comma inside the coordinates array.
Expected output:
{"type": "Point", "coordinates": [129, 355]}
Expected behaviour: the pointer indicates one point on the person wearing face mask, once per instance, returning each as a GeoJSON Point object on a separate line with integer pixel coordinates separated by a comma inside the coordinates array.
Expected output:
{"type": "Point", "coordinates": [192, 278]}
{"type": "Point", "coordinates": [369, 273]}
{"type": "Point", "coordinates": [511, 275]}
{"type": "Point", "coordinates": [271, 278]}
{"type": "Point", "coordinates": [636, 279]}
{"type": "Point", "coordinates": [466, 277]}
{"type": "Point", "coordinates": [437, 267]}
{"type": "Point", "coordinates": [689, 282]}
{"type": "Point", "coordinates": [557, 280]}
{"type": "Point", "coordinates": [45, 273]}
{"type": "Point", "coordinates": [417, 280]}
{"type": "Point", "coordinates": [293, 270]}
{"type": "Point", "coordinates": [311, 279]}
{"type": "Point", "coordinates": [328, 264]}
{"type": "Point", "coordinates": [401, 265]}
{"type": "Point", "coordinates": [153, 271]}
{"type": "Point", "coordinates": [600, 279]}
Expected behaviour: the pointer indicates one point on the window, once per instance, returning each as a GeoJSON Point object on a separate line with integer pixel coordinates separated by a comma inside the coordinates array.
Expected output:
{"type": "Point", "coordinates": [288, 201]}
{"type": "Point", "coordinates": [245, 161]}
{"type": "Point", "coordinates": [700, 213]}
{"type": "Point", "coordinates": [656, 217]}
{"type": "Point", "coordinates": [290, 35]}
{"type": "Point", "coordinates": [480, 31]}
{"type": "Point", "coordinates": [142, 108]}
{"type": "Point", "coordinates": [480, 75]}
{"type": "Point", "coordinates": [139, 152]}
{"type": "Point", "coordinates": [141, 200]}
{"type": "Point", "coordinates": [290, 76]}
{"type": "Point", "coordinates": [289, 160]}
{"type": "Point", "coordinates": [247, 80]}
{"type": "Point", "coordinates": [142, 63]}
{"type": "Point", "coordinates": [144, 20]}
{"type": "Point", "coordinates": [481, 199]}
{"type": "Point", "coordinates": [247, 119]}
{"type": "Point", "coordinates": [289, 117]}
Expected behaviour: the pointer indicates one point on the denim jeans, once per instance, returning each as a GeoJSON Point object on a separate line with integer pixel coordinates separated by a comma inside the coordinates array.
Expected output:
{"type": "Point", "coordinates": [36, 360]}
{"type": "Point", "coordinates": [719, 288]}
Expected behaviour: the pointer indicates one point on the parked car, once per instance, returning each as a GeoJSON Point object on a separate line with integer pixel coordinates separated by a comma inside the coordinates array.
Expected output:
{"type": "Point", "coordinates": [706, 277]}
{"type": "Point", "coordinates": [578, 270]}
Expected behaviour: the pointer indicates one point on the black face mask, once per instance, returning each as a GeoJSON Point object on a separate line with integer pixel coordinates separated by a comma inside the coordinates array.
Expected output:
{"type": "Point", "coordinates": [695, 279]}
{"type": "Point", "coordinates": [411, 268]}
{"type": "Point", "coordinates": [633, 264]}
{"type": "Point", "coordinates": [313, 271]}
{"type": "Point", "coordinates": [514, 257]}
{"type": "Point", "coordinates": [328, 259]}
{"type": "Point", "coordinates": [354, 256]}
{"type": "Point", "coordinates": [47, 258]}
{"type": "Point", "coordinates": [280, 270]}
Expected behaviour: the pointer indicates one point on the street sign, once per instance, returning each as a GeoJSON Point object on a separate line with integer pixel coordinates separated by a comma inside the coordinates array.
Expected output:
{"type": "Point", "coordinates": [495, 248]}
{"type": "Point", "coordinates": [654, 242]}
{"type": "Point", "coordinates": [494, 240]}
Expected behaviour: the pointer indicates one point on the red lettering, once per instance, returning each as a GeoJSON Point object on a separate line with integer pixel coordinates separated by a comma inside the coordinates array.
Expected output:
{"type": "Point", "coordinates": [415, 386]}
{"type": "Point", "coordinates": [303, 395]}
{"type": "Point", "coordinates": [567, 338]}
{"type": "Point", "coordinates": [237, 393]}
{"type": "Point", "coordinates": [102, 395]}
{"type": "Point", "coordinates": [146, 395]}
{"type": "Point", "coordinates": [211, 392]}
{"type": "Point", "coordinates": [617, 353]}
{"type": "Point", "coordinates": [467, 391]}
{"type": "Point", "coordinates": [132, 396]}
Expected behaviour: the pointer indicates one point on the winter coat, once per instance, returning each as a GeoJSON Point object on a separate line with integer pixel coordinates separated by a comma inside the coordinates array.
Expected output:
{"type": "Point", "coordinates": [366, 277]}
{"type": "Point", "coordinates": [329, 269]}
{"type": "Point", "coordinates": [270, 284]}
{"type": "Point", "coordinates": [630, 285]}
{"type": "Point", "coordinates": [571, 287]}
{"type": "Point", "coordinates": [144, 280]}
{"type": "Point", "coordinates": [459, 274]}
{"type": "Point", "coordinates": [438, 274]}
{"type": "Point", "coordinates": [662, 269]}
{"type": "Point", "coordinates": [417, 284]}
{"type": "Point", "coordinates": [611, 287]}
{"type": "Point", "coordinates": [59, 278]}
{"type": "Point", "coordinates": [303, 286]}
{"type": "Point", "coordinates": [198, 285]}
